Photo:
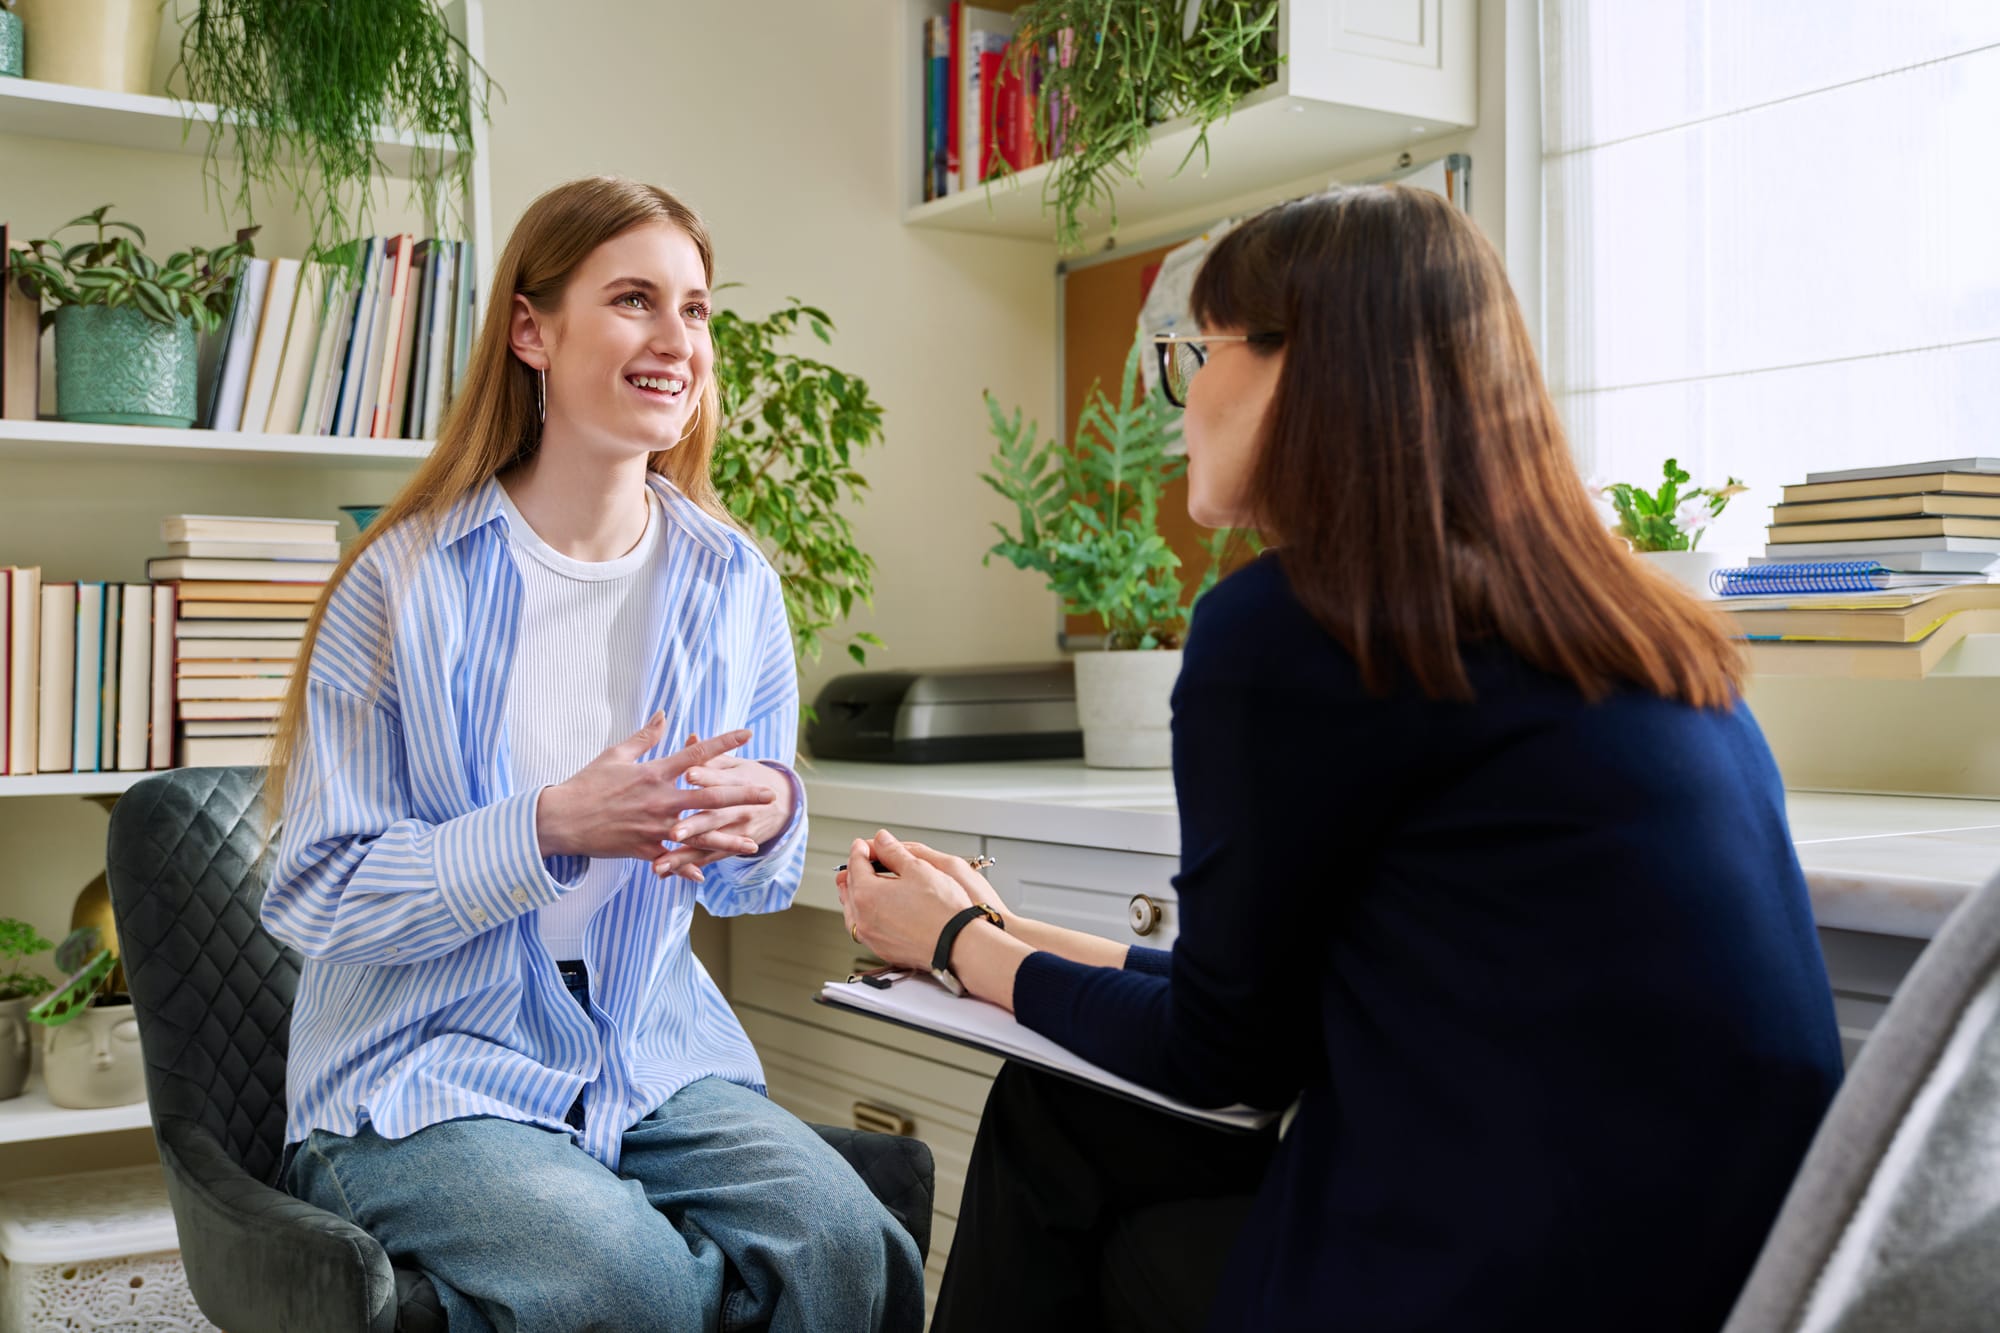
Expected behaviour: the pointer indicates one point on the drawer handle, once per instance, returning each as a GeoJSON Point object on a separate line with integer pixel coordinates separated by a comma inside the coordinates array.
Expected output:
{"type": "Point", "coordinates": [1145, 915]}
{"type": "Point", "coordinates": [872, 1119]}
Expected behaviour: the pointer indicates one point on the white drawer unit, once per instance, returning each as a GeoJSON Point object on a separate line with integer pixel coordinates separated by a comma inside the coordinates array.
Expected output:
{"type": "Point", "coordinates": [1124, 896]}
{"type": "Point", "coordinates": [827, 841]}
{"type": "Point", "coordinates": [778, 963]}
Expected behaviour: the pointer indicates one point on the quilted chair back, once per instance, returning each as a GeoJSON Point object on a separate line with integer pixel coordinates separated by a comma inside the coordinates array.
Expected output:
{"type": "Point", "coordinates": [212, 991]}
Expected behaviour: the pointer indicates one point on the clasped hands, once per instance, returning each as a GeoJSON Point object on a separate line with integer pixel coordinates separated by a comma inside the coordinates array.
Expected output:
{"type": "Point", "coordinates": [618, 806]}
{"type": "Point", "coordinates": [900, 913]}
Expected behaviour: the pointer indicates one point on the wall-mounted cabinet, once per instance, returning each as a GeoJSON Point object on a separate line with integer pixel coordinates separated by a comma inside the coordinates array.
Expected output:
{"type": "Point", "coordinates": [1360, 78]}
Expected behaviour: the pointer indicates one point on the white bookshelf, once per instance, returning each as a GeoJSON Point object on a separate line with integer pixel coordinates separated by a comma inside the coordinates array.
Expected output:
{"type": "Point", "coordinates": [33, 1116]}
{"type": "Point", "coordinates": [247, 472]}
{"type": "Point", "coordinates": [72, 784]}
{"type": "Point", "coordinates": [1357, 82]}
{"type": "Point", "coordinates": [150, 124]}
{"type": "Point", "coordinates": [63, 442]}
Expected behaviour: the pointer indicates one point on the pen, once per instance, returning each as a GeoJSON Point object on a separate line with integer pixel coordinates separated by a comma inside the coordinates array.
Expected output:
{"type": "Point", "coordinates": [977, 863]}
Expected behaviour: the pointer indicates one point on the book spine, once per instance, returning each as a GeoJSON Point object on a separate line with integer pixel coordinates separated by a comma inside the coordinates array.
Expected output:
{"type": "Point", "coordinates": [233, 381]}
{"type": "Point", "coordinates": [160, 720]}
{"type": "Point", "coordinates": [954, 89]}
{"type": "Point", "coordinates": [985, 86]}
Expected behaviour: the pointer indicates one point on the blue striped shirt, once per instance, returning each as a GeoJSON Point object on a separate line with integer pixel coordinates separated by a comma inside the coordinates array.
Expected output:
{"type": "Point", "coordinates": [409, 873]}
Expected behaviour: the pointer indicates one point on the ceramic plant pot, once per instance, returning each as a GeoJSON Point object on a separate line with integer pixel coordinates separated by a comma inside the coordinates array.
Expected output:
{"type": "Point", "coordinates": [1690, 568]}
{"type": "Point", "coordinates": [93, 1060]}
{"type": "Point", "coordinates": [116, 367]}
{"type": "Point", "coordinates": [15, 1050]}
{"type": "Point", "coordinates": [92, 43]}
{"type": "Point", "coordinates": [1124, 701]}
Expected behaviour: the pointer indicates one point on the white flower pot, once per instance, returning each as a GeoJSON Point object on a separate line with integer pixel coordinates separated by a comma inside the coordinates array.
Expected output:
{"type": "Point", "coordinates": [1691, 568]}
{"type": "Point", "coordinates": [93, 1060]}
{"type": "Point", "coordinates": [1125, 702]}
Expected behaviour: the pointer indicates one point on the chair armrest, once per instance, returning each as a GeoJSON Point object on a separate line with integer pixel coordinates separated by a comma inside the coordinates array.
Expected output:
{"type": "Point", "coordinates": [897, 1170]}
{"type": "Point", "coordinates": [258, 1258]}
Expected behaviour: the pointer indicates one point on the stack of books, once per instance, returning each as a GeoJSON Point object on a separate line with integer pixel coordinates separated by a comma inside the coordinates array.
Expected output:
{"type": "Point", "coordinates": [367, 345]}
{"type": "Point", "coordinates": [89, 675]}
{"type": "Point", "coordinates": [243, 590]}
{"type": "Point", "coordinates": [1915, 518]}
{"type": "Point", "coordinates": [982, 97]}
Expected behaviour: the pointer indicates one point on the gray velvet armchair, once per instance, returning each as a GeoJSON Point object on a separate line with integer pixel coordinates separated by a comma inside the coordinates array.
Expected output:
{"type": "Point", "coordinates": [212, 993]}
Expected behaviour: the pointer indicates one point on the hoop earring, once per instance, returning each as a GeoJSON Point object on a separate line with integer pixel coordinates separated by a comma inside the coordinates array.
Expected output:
{"type": "Point", "coordinates": [542, 395]}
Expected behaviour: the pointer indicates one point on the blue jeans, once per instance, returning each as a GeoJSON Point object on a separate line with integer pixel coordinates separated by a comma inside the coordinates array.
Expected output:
{"type": "Point", "coordinates": [726, 1212]}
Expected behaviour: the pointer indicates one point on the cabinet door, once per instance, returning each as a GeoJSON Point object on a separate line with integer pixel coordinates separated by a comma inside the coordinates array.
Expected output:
{"type": "Point", "coordinates": [1123, 896]}
{"type": "Point", "coordinates": [1866, 971]}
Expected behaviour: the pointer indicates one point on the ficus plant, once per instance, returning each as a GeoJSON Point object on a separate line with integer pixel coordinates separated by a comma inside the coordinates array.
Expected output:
{"type": "Point", "coordinates": [785, 463]}
{"type": "Point", "coordinates": [109, 269]}
{"type": "Point", "coordinates": [18, 942]}
{"type": "Point", "coordinates": [1110, 70]}
{"type": "Point", "coordinates": [1087, 517]}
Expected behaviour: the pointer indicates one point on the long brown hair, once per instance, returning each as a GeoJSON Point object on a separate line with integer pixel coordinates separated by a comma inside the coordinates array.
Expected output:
{"type": "Point", "coordinates": [1415, 476]}
{"type": "Point", "coordinates": [493, 421]}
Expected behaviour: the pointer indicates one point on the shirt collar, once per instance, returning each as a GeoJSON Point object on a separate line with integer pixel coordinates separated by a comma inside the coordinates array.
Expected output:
{"type": "Point", "coordinates": [481, 506]}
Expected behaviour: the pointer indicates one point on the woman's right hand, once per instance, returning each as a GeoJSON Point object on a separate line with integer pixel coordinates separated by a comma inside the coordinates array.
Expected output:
{"type": "Point", "coordinates": [616, 806]}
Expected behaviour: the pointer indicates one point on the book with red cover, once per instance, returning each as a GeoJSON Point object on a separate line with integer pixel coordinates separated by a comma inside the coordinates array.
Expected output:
{"type": "Point", "coordinates": [989, 128]}
{"type": "Point", "coordinates": [952, 119]}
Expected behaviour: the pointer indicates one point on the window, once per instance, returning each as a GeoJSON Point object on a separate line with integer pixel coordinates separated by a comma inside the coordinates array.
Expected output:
{"type": "Point", "coordinates": [1772, 237]}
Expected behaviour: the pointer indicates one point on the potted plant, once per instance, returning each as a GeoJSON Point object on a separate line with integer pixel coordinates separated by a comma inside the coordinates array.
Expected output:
{"type": "Point", "coordinates": [306, 89]}
{"type": "Point", "coordinates": [18, 986]}
{"type": "Point", "coordinates": [126, 323]}
{"type": "Point", "coordinates": [1087, 518]}
{"type": "Point", "coordinates": [104, 44]}
{"type": "Point", "coordinates": [1664, 526]}
{"type": "Point", "coordinates": [90, 1057]}
{"type": "Point", "coordinates": [784, 464]}
{"type": "Point", "coordinates": [1109, 70]}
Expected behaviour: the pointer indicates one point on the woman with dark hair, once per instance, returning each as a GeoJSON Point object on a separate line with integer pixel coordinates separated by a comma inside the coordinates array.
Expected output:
{"type": "Point", "coordinates": [1513, 922]}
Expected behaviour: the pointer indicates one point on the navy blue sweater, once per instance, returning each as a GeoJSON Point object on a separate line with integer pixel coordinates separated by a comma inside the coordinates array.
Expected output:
{"type": "Point", "coordinates": [1544, 971]}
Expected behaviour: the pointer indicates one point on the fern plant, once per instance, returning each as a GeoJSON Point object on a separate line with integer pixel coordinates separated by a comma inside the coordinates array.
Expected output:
{"type": "Point", "coordinates": [1087, 518]}
{"type": "Point", "coordinates": [784, 464]}
{"type": "Point", "coordinates": [1112, 69]}
{"type": "Point", "coordinates": [19, 941]}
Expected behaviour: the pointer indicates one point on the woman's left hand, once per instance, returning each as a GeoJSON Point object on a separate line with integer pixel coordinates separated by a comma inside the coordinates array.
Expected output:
{"type": "Point", "coordinates": [898, 915]}
{"type": "Point", "coordinates": [710, 835]}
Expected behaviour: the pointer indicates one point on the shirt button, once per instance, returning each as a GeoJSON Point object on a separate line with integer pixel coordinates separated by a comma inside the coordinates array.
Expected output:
{"type": "Point", "coordinates": [479, 916]}
{"type": "Point", "coordinates": [520, 895]}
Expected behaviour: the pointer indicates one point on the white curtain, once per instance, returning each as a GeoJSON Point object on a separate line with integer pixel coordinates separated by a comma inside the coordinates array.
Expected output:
{"type": "Point", "coordinates": [1772, 233]}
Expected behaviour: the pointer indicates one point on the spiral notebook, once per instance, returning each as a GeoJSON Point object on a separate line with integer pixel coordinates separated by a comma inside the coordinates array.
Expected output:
{"type": "Point", "coordinates": [1824, 576]}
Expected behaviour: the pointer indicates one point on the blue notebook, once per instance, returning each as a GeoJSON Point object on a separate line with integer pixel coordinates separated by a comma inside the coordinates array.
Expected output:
{"type": "Point", "coordinates": [1826, 576]}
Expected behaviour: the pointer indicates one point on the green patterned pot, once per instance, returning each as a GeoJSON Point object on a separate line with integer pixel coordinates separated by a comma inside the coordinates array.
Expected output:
{"type": "Point", "coordinates": [11, 54]}
{"type": "Point", "coordinates": [118, 368]}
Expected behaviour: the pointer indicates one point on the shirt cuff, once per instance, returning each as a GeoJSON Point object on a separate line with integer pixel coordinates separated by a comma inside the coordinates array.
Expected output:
{"type": "Point", "coordinates": [490, 866]}
{"type": "Point", "coordinates": [798, 812]}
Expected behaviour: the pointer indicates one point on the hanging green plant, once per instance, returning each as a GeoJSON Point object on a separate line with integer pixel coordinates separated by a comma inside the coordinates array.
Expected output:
{"type": "Point", "coordinates": [307, 85]}
{"type": "Point", "coordinates": [1110, 70]}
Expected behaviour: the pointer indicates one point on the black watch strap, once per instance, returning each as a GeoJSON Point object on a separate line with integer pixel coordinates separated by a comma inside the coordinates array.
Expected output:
{"type": "Point", "coordinates": [941, 960]}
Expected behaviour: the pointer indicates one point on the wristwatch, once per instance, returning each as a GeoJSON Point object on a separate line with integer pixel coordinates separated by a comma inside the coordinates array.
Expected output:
{"type": "Point", "coordinates": [941, 960]}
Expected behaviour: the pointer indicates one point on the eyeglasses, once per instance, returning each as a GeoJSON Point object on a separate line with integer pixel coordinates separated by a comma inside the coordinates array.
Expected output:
{"type": "Point", "coordinates": [1182, 354]}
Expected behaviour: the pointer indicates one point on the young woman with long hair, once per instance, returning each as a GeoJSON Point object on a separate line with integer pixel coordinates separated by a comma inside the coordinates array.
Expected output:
{"type": "Point", "coordinates": [1484, 869]}
{"type": "Point", "coordinates": [506, 1063]}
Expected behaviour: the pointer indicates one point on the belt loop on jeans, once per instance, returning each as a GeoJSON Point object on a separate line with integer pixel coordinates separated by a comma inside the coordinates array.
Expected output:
{"type": "Point", "coordinates": [573, 969]}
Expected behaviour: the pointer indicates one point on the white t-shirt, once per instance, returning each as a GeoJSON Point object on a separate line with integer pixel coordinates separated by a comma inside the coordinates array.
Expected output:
{"type": "Point", "coordinates": [578, 682]}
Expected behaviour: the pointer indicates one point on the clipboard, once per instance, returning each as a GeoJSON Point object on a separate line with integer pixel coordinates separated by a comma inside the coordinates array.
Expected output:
{"type": "Point", "coordinates": [918, 1003]}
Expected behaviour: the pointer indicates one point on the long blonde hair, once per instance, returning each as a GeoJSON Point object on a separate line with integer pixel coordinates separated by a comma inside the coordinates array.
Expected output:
{"type": "Point", "coordinates": [493, 421]}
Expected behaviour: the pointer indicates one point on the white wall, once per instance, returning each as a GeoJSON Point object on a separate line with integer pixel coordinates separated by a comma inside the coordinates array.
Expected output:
{"type": "Point", "coordinates": [779, 122]}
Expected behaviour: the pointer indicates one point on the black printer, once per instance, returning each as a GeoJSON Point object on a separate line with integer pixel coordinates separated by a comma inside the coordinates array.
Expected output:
{"type": "Point", "coordinates": [949, 715]}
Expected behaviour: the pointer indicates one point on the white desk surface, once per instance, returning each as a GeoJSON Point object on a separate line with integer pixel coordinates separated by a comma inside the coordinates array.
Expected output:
{"type": "Point", "coordinates": [1892, 865]}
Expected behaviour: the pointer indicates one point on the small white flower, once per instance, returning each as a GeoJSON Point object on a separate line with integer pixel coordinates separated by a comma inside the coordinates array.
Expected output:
{"type": "Point", "coordinates": [1692, 516]}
